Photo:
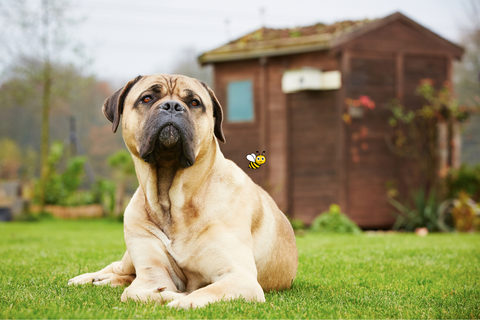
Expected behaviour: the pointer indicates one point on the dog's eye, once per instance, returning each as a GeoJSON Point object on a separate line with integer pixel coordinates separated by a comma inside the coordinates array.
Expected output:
{"type": "Point", "coordinates": [147, 99]}
{"type": "Point", "coordinates": [195, 103]}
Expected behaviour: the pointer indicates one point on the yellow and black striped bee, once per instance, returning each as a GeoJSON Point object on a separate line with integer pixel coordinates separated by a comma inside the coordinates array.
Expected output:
{"type": "Point", "coordinates": [256, 160]}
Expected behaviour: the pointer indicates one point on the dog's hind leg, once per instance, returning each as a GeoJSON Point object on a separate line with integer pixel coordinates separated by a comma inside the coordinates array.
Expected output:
{"type": "Point", "coordinates": [115, 274]}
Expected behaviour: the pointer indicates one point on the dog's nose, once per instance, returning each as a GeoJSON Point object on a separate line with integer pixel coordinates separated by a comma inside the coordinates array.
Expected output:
{"type": "Point", "coordinates": [172, 107]}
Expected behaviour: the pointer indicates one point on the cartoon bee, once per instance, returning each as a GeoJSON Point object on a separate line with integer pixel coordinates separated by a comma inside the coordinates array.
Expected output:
{"type": "Point", "coordinates": [256, 160]}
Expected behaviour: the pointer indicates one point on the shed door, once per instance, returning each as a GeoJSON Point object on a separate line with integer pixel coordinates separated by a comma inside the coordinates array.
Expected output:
{"type": "Point", "coordinates": [313, 142]}
{"type": "Point", "coordinates": [370, 164]}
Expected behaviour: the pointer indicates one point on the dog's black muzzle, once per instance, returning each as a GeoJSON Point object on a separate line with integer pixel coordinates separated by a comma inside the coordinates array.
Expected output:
{"type": "Point", "coordinates": [168, 132]}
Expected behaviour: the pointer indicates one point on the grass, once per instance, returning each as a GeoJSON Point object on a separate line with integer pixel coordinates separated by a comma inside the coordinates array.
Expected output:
{"type": "Point", "coordinates": [339, 276]}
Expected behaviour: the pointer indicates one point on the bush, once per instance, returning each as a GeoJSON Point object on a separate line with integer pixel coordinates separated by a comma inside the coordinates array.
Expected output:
{"type": "Point", "coordinates": [423, 213]}
{"type": "Point", "coordinates": [467, 179]}
{"type": "Point", "coordinates": [63, 188]}
{"type": "Point", "coordinates": [334, 221]}
{"type": "Point", "coordinates": [297, 224]}
{"type": "Point", "coordinates": [27, 216]}
{"type": "Point", "coordinates": [103, 192]}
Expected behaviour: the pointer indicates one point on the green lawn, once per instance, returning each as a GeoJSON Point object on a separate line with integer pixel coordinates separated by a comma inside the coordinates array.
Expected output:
{"type": "Point", "coordinates": [384, 276]}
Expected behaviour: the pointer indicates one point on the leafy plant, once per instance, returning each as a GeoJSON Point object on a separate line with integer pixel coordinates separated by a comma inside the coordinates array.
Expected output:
{"type": "Point", "coordinates": [334, 221]}
{"type": "Point", "coordinates": [464, 213]}
{"type": "Point", "coordinates": [124, 172]}
{"type": "Point", "coordinates": [104, 193]}
{"type": "Point", "coordinates": [63, 188]}
{"type": "Point", "coordinates": [466, 178]}
{"type": "Point", "coordinates": [423, 212]}
{"type": "Point", "coordinates": [297, 224]}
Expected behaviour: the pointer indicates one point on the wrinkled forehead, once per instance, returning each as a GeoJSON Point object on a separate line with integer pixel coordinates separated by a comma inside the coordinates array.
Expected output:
{"type": "Point", "coordinates": [169, 85]}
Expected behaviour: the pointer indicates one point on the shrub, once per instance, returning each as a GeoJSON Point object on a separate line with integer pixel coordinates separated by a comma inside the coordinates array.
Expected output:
{"type": "Point", "coordinates": [422, 213]}
{"type": "Point", "coordinates": [463, 213]}
{"type": "Point", "coordinates": [334, 221]}
{"type": "Point", "coordinates": [104, 193]}
{"type": "Point", "coordinates": [467, 179]}
{"type": "Point", "coordinates": [63, 188]}
{"type": "Point", "coordinates": [297, 224]}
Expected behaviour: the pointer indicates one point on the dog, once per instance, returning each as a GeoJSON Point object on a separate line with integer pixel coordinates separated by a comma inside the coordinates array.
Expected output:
{"type": "Point", "coordinates": [198, 229]}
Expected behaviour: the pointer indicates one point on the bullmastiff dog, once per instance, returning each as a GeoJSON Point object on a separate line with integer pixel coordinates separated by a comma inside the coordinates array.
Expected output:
{"type": "Point", "coordinates": [198, 229]}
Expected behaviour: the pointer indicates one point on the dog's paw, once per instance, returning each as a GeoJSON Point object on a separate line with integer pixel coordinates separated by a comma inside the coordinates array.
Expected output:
{"type": "Point", "coordinates": [167, 296]}
{"type": "Point", "coordinates": [158, 294]}
{"type": "Point", "coordinates": [82, 279]}
{"type": "Point", "coordinates": [96, 279]}
{"type": "Point", "coordinates": [187, 303]}
{"type": "Point", "coordinates": [114, 280]}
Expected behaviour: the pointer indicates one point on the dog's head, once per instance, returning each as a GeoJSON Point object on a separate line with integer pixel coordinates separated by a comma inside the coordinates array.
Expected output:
{"type": "Point", "coordinates": [166, 117]}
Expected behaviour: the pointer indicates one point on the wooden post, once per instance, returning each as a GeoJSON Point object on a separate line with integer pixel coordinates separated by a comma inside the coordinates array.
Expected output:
{"type": "Point", "coordinates": [264, 120]}
{"type": "Point", "coordinates": [399, 75]}
{"type": "Point", "coordinates": [342, 168]}
{"type": "Point", "coordinates": [442, 145]}
{"type": "Point", "coordinates": [456, 145]}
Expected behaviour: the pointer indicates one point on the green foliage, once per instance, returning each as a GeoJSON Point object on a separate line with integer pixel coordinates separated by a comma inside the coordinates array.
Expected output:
{"type": "Point", "coordinates": [63, 188]}
{"type": "Point", "coordinates": [399, 113]}
{"type": "Point", "coordinates": [295, 34]}
{"type": "Point", "coordinates": [466, 178]}
{"type": "Point", "coordinates": [27, 216]}
{"type": "Point", "coordinates": [72, 176]}
{"type": "Point", "coordinates": [334, 221]}
{"type": "Point", "coordinates": [399, 276]}
{"type": "Point", "coordinates": [14, 162]}
{"type": "Point", "coordinates": [423, 212]}
{"type": "Point", "coordinates": [297, 224]}
{"type": "Point", "coordinates": [104, 193]}
{"type": "Point", "coordinates": [122, 163]}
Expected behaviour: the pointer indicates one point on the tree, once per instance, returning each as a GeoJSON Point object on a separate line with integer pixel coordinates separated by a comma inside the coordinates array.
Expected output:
{"type": "Point", "coordinates": [124, 172]}
{"type": "Point", "coordinates": [467, 72]}
{"type": "Point", "coordinates": [467, 82]}
{"type": "Point", "coordinates": [188, 65]}
{"type": "Point", "coordinates": [41, 28]}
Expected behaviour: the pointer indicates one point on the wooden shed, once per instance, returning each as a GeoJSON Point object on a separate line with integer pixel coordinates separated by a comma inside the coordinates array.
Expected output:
{"type": "Point", "coordinates": [306, 143]}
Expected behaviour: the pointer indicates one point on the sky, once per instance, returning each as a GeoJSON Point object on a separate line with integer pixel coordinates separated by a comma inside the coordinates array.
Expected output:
{"type": "Point", "coordinates": [126, 38]}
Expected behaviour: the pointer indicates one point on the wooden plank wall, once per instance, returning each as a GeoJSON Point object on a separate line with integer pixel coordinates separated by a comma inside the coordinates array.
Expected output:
{"type": "Point", "coordinates": [313, 143]}
{"type": "Point", "coordinates": [384, 64]}
{"type": "Point", "coordinates": [242, 138]}
{"type": "Point", "coordinates": [373, 75]}
{"type": "Point", "coordinates": [417, 68]}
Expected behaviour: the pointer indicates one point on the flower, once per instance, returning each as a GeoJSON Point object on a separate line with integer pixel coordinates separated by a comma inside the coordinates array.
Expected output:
{"type": "Point", "coordinates": [346, 118]}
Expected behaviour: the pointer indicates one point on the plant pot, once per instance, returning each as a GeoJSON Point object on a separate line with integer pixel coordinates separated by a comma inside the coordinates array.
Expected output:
{"type": "Point", "coordinates": [88, 211]}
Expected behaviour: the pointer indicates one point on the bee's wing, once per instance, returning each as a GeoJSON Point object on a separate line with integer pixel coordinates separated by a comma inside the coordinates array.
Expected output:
{"type": "Point", "coordinates": [251, 157]}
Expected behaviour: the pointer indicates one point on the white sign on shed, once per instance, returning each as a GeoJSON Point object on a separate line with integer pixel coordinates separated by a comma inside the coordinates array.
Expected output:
{"type": "Point", "coordinates": [310, 79]}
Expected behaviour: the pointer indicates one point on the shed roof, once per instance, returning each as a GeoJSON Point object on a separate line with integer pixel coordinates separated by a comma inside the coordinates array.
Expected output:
{"type": "Point", "coordinates": [276, 42]}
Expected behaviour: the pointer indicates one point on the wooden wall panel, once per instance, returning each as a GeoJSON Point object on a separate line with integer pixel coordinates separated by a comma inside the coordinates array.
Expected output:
{"type": "Point", "coordinates": [417, 68]}
{"type": "Point", "coordinates": [368, 174]}
{"type": "Point", "coordinates": [313, 147]}
{"type": "Point", "coordinates": [242, 138]}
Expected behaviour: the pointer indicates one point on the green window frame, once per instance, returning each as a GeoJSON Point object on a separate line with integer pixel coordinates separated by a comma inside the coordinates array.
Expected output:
{"type": "Point", "coordinates": [240, 101]}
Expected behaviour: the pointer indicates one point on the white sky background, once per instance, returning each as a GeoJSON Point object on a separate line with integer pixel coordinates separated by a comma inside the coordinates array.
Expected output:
{"type": "Point", "coordinates": [127, 38]}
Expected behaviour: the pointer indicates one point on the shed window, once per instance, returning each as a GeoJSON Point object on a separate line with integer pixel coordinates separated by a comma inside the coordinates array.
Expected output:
{"type": "Point", "coordinates": [240, 101]}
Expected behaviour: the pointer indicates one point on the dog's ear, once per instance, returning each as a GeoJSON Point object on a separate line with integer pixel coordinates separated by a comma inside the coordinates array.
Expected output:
{"type": "Point", "coordinates": [113, 106]}
{"type": "Point", "coordinates": [217, 113]}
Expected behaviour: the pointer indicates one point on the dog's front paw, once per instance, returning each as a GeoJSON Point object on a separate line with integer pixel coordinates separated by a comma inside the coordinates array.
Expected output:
{"type": "Point", "coordinates": [97, 279]}
{"type": "Point", "coordinates": [158, 294]}
{"type": "Point", "coordinates": [187, 303]}
{"type": "Point", "coordinates": [82, 279]}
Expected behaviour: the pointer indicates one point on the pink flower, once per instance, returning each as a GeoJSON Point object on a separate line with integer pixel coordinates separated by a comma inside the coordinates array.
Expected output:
{"type": "Point", "coordinates": [365, 101]}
